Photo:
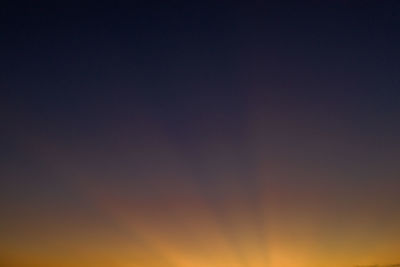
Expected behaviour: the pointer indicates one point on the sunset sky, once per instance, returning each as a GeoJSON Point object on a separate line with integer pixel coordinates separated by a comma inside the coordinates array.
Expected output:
{"type": "Point", "coordinates": [200, 134]}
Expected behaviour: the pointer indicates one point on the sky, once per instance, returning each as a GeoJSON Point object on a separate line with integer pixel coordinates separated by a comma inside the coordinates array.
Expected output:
{"type": "Point", "coordinates": [192, 134]}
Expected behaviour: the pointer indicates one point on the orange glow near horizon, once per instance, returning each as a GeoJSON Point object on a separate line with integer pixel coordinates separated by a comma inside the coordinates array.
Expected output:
{"type": "Point", "coordinates": [168, 219]}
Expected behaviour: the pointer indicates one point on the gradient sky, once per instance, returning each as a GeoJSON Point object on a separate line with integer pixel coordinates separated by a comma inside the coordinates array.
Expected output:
{"type": "Point", "coordinates": [200, 134]}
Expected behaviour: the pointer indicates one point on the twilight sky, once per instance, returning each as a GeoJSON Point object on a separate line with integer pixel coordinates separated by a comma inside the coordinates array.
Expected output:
{"type": "Point", "coordinates": [184, 134]}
